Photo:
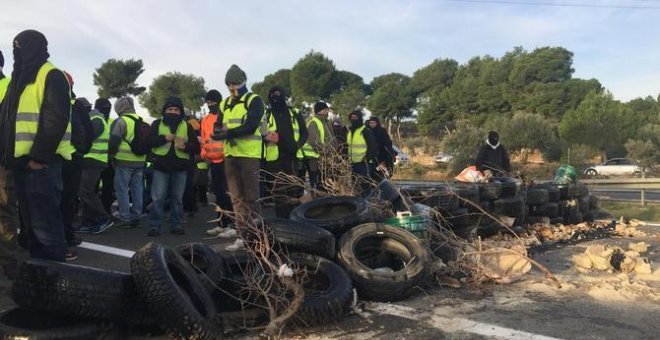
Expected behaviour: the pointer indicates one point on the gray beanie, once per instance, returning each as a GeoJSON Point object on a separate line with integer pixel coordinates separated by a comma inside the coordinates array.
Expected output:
{"type": "Point", "coordinates": [124, 105]}
{"type": "Point", "coordinates": [235, 75]}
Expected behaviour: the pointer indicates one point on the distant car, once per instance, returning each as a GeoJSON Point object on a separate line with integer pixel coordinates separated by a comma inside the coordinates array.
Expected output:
{"type": "Point", "coordinates": [443, 158]}
{"type": "Point", "coordinates": [401, 158]}
{"type": "Point", "coordinates": [614, 167]}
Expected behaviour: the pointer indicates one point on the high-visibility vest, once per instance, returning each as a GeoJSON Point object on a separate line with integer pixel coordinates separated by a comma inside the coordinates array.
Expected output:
{"type": "Point", "coordinates": [99, 150]}
{"type": "Point", "coordinates": [357, 145]}
{"type": "Point", "coordinates": [307, 149]}
{"type": "Point", "coordinates": [4, 85]}
{"type": "Point", "coordinates": [271, 151]}
{"type": "Point", "coordinates": [249, 146]}
{"type": "Point", "coordinates": [125, 153]}
{"type": "Point", "coordinates": [212, 150]}
{"type": "Point", "coordinates": [27, 117]}
{"type": "Point", "coordinates": [181, 132]}
{"type": "Point", "coordinates": [202, 165]}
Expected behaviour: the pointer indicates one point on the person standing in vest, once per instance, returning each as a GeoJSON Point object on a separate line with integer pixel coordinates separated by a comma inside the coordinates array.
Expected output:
{"type": "Point", "coordinates": [35, 137]}
{"type": "Point", "coordinates": [386, 153]}
{"type": "Point", "coordinates": [107, 181]}
{"type": "Point", "coordinates": [283, 152]}
{"type": "Point", "coordinates": [190, 193]}
{"type": "Point", "coordinates": [95, 219]}
{"type": "Point", "coordinates": [362, 150]}
{"type": "Point", "coordinates": [213, 153]}
{"type": "Point", "coordinates": [129, 167]}
{"type": "Point", "coordinates": [242, 113]}
{"type": "Point", "coordinates": [320, 136]}
{"type": "Point", "coordinates": [172, 143]}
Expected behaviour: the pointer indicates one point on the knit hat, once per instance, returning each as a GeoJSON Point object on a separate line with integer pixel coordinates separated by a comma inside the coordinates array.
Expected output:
{"type": "Point", "coordinates": [235, 76]}
{"type": "Point", "coordinates": [213, 96]}
{"type": "Point", "coordinates": [124, 105]}
{"type": "Point", "coordinates": [320, 106]}
{"type": "Point", "coordinates": [2, 60]}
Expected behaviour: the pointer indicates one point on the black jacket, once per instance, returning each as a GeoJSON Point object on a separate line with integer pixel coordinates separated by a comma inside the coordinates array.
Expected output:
{"type": "Point", "coordinates": [53, 120]}
{"type": "Point", "coordinates": [496, 160]}
{"type": "Point", "coordinates": [170, 162]}
{"type": "Point", "coordinates": [287, 145]}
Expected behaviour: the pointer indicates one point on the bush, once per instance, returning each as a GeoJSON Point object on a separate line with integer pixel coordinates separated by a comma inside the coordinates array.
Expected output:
{"type": "Point", "coordinates": [463, 144]}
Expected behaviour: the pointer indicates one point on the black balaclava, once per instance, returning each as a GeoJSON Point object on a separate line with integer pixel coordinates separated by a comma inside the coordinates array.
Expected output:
{"type": "Point", "coordinates": [493, 139]}
{"type": "Point", "coordinates": [277, 101]}
{"type": "Point", "coordinates": [214, 96]}
{"type": "Point", "coordinates": [173, 120]}
{"type": "Point", "coordinates": [104, 106]}
{"type": "Point", "coordinates": [374, 119]}
{"type": "Point", "coordinates": [358, 122]}
{"type": "Point", "coordinates": [81, 106]}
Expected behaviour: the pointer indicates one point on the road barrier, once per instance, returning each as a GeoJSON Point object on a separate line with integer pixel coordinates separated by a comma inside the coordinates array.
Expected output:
{"type": "Point", "coordinates": [642, 184]}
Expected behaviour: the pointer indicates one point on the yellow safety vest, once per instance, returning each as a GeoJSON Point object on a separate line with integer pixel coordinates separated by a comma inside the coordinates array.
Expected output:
{"type": "Point", "coordinates": [272, 153]}
{"type": "Point", "coordinates": [99, 150]}
{"type": "Point", "coordinates": [249, 146]}
{"type": "Point", "coordinates": [27, 117]}
{"type": "Point", "coordinates": [357, 145]}
{"type": "Point", "coordinates": [202, 165]}
{"type": "Point", "coordinates": [307, 149]}
{"type": "Point", "coordinates": [181, 132]}
{"type": "Point", "coordinates": [4, 85]}
{"type": "Point", "coordinates": [125, 153]}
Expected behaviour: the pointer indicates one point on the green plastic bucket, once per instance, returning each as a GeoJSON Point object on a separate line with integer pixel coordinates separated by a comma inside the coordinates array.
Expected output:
{"type": "Point", "coordinates": [566, 174]}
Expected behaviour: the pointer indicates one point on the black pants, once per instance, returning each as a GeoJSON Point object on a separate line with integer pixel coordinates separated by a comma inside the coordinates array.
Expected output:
{"type": "Point", "coordinates": [363, 174]}
{"type": "Point", "coordinates": [71, 172]}
{"type": "Point", "coordinates": [108, 188]}
{"type": "Point", "coordinates": [93, 211]}
{"type": "Point", "coordinates": [220, 190]}
{"type": "Point", "coordinates": [282, 175]}
{"type": "Point", "coordinates": [190, 193]}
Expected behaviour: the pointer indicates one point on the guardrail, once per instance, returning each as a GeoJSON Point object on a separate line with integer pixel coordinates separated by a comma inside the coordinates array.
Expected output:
{"type": "Point", "coordinates": [642, 184]}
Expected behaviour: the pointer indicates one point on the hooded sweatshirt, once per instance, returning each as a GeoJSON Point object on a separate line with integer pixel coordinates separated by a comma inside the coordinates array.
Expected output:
{"type": "Point", "coordinates": [55, 109]}
{"type": "Point", "coordinates": [385, 151]}
{"type": "Point", "coordinates": [119, 129]}
{"type": "Point", "coordinates": [492, 156]}
{"type": "Point", "coordinates": [170, 162]}
{"type": "Point", "coordinates": [286, 145]}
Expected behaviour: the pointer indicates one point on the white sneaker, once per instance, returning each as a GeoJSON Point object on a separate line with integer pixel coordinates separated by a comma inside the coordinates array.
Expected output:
{"type": "Point", "coordinates": [228, 233]}
{"type": "Point", "coordinates": [236, 246]}
{"type": "Point", "coordinates": [215, 231]}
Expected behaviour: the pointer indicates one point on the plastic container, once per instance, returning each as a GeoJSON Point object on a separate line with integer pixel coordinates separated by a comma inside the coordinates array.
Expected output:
{"type": "Point", "coordinates": [566, 174]}
{"type": "Point", "coordinates": [416, 225]}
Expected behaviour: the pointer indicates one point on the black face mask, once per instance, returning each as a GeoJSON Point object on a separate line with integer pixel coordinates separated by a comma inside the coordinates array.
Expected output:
{"type": "Point", "coordinates": [276, 101]}
{"type": "Point", "coordinates": [214, 108]}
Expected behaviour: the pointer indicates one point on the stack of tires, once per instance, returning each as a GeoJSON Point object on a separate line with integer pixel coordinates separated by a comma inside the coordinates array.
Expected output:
{"type": "Point", "coordinates": [383, 262]}
{"type": "Point", "coordinates": [574, 203]}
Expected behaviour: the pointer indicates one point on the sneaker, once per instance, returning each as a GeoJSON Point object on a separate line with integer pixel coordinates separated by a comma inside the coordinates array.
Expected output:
{"type": "Point", "coordinates": [136, 223]}
{"type": "Point", "coordinates": [215, 231]}
{"type": "Point", "coordinates": [123, 224]}
{"type": "Point", "coordinates": [74, 240]}
{"type": "Point", "coordinates": [236, 246]}
{"type": "Point", "coordinates": [228, 233]}
{"type": "Point", "coordinates": [178, 231]}
{"type": "Point", "coordinates": [88, 229]}
{"type": "Point", "coordinates": [71, 255]}
{"type": "Point", "coordinates": [103, 226]}
{"type": "Point", "coordinates": [153, 233]}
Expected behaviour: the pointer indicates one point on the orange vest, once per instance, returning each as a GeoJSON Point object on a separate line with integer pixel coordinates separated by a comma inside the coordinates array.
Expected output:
{"type": "Point", "coordinates": [212, 150]}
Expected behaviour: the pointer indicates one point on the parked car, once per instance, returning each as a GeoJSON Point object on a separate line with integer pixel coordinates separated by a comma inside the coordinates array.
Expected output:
{"type": "Point", "coordinates": [614, 167]}
{"type": "Point", "coordinates": [401, 158]}
{"type": "Point", "coordinates": [443, 158]}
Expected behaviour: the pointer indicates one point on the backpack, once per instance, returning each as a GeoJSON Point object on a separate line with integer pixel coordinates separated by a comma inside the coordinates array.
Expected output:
{"type": "Point", "coordinates": [81, 132]}
{"type": "Point", "coordinates": [140, 143]}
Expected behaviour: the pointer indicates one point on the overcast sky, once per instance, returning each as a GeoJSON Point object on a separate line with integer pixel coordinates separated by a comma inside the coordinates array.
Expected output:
{"type": "Point", "coordinates": [611, 42]}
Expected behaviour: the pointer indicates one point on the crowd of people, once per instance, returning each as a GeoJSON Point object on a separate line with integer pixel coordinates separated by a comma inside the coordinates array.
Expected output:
{"type": "Point", "coordinates": [65, 163]}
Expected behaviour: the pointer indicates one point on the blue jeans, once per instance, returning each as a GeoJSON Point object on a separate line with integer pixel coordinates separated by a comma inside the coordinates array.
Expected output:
{"type": "Point", "coordinates": [164, 185]}
{"type": "Point", "coordinates": [129, 178]}
{"type": "Point", "coordinates": [39, 193]}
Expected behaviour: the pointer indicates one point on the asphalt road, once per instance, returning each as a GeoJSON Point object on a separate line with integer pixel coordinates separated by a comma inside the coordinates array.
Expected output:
{"type": "Point", "coordinates": [532, 309]}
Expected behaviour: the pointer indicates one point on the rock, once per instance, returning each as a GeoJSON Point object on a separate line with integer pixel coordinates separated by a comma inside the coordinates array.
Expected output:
{"type": "Point", "coordinates": [632, 254]}
{"type": "Point", "coordinates": [640, 247]}
{"type": "Point", "coordinates": [582, 261]}
{"type": "Point", "coordinates": [599, 256]}
{"type": "Point", "coordinates": [627, 265]}
{"type": "Point", "coordinates": [643, 266]}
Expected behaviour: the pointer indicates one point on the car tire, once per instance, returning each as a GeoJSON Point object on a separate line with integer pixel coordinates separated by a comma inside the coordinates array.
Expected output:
{"type": "Point", "coordinates": [537, 197]}
{"type": "Point", "coordinates": [490, 191]}
{"type": "Point", "coordinates": [22, 323]}
{"type": "Point", "coordinates": [566, 191]}
{"type": "Point", "coordinates": [328, 290]}
{"type": "Point", "coordinates": [366, 248]}
{"type": "Point", "coordinates": [553, 191]}
{"type": "Point", "coordinates": [508, 206]}
{"type": "Point", "coordinates": [468, 193]}
{"type": "Point", "coordinates": [510, 187]}
{"type": "Point", "coordinates": [386, 191]}
{"type": "Point", "coordinates": [333, 213]}
{"type": "Point", "coordinates": [206, 262]}
{"type": "Point", "coordinates": [174, 293]}
{"type": "Point", "coordinates": [437, 196]}
{"type": "Point", "coordinates": [302, 237]}
{"type": "Point", "coordinates": [84, 291]}
{"type": "Point", "coordinates": [591, 172]}
{"type": "Point", "coordinates": [581, 190]}
{"type": "Point", "coordinates": [455, 219]}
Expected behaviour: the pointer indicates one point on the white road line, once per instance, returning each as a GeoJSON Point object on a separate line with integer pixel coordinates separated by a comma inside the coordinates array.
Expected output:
{"type": "Point", "coordinates": [455, 324]}
{"type": "Point", "coordinates": [107, 249]}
